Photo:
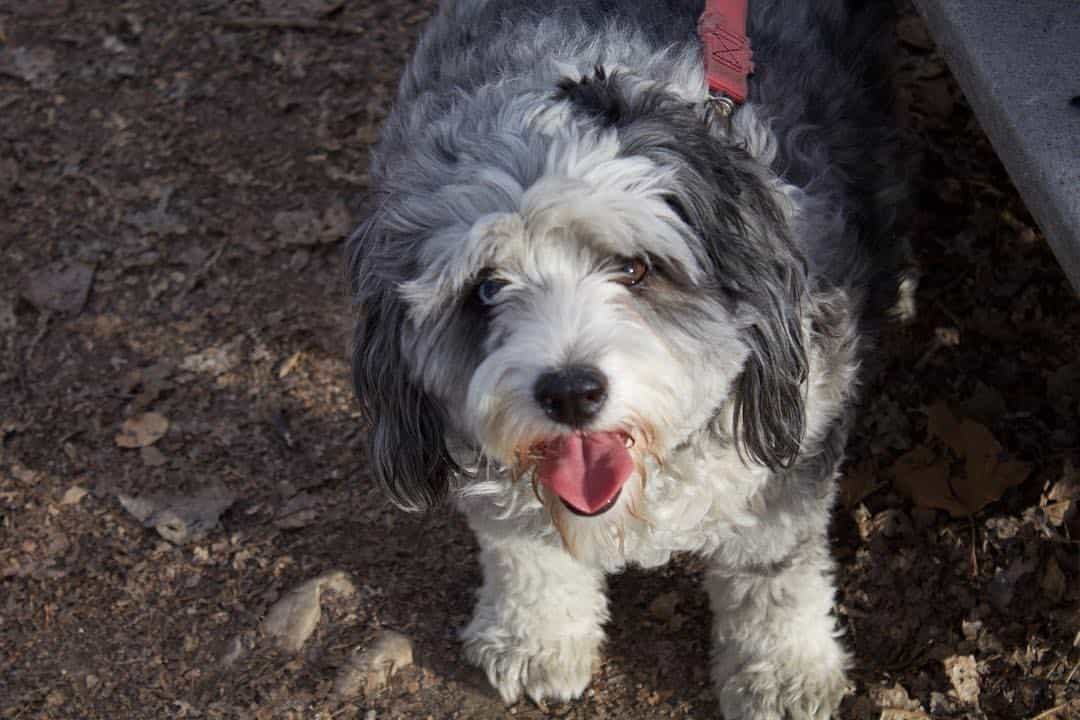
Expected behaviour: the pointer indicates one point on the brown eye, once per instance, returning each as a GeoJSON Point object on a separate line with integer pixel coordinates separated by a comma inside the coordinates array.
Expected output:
{"type": "Point", "coordinates": [631, 271]}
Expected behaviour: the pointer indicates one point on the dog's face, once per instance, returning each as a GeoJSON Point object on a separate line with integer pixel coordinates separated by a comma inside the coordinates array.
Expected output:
{"type": "Point", "coordinates": [574, 296]}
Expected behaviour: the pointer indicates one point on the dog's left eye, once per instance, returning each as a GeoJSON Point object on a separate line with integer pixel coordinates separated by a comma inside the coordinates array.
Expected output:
{"type": "Point", "coordinates": [631, 271]}
{"type": "Point", "coordinates": [488, 289]}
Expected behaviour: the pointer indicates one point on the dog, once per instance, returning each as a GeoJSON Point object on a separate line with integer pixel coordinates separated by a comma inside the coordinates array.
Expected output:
{"type": "Point", "coordinates": [611, 323]}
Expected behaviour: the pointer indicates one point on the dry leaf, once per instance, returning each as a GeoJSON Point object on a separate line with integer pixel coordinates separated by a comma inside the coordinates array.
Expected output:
{"type": "Point", "coordinates": [857, 483]}
{"type": "Point", "coordinates": [923, 476]}
{"type": "Point", "coordinates": [142, 430]}
{"type": "Point", "coordinates": [988, 472]}
{"type": "Point", "coordinates": [964, 676]}
{"type": "Point", "coordinates": [1061, 499]}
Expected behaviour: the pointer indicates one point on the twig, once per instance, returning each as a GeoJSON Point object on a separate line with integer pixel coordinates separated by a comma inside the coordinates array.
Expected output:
{"type": "Point", "coordinates": [286, 24]}
{"type": "Point", "coordinates": [1052, 711]}
{"type": "Point", "coordinates": [44, 320]}
{"type": "Point", "coordinates": [201, 272]}
{"type": "Point", "coordinates": [974, 555]}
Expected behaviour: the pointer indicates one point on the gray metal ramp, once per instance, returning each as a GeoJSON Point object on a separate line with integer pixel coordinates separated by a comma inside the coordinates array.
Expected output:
{"type": "Point", "coordinates": [1018, 63]}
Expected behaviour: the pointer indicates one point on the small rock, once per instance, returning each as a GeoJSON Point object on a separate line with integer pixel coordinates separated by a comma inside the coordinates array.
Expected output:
{"type": "Point", "coordinates": [142, 430]}
{"type": "Point", "coordinates": [73, 495]}
{"type": "Point", "coordinates": [237, 649]}
{"type": "Point", "coordinates": [181, 519]}
{"type": "Point", "coordinates": [964, 676]}
{"type": "Point", "coordinates": [293, 618]}
{"type": "Point", "coordinates": [61, 286]}
{"type": "Point", "coordinates": [299, 511]}
{"type": "Point", "coordinates": [369, 670]}
{"type": "Point", "coordinates": [212, 361]}
{"type": "Point", "coordinates": [152, 457]}
{"type": "Point", "coordinates": [37, 65]}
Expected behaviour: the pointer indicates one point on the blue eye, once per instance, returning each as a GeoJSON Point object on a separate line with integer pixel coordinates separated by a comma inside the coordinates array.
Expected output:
{"type": "Point", "coordinates": [488, 289]}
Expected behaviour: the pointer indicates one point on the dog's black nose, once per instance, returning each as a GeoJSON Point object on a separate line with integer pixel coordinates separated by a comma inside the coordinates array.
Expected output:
{"type": "Point", "coordinates": [572, 395]}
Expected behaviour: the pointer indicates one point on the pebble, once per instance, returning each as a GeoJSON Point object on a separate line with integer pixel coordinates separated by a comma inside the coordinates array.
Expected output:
{"type": "Point", "coordinates": [294, 617]}
{"type": "Point", "coordinates": [369, 669]}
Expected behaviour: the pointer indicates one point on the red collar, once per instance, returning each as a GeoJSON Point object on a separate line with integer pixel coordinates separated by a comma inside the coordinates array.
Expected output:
{"type": "Point", "coordinates": [728, 58]}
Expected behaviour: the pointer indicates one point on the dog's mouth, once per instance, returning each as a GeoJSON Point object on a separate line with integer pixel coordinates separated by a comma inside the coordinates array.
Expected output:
{"type": "Point", "coordinates": [586, 470]}
{"type": "Point", "coordinates": [600, 511]}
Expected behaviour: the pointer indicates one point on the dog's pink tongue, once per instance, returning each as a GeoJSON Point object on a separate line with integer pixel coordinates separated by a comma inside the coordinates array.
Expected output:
{"type": "Point", "coordinates": [586, 471]}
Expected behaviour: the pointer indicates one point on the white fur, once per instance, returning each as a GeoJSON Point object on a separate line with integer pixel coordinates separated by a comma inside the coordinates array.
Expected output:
{"type": "Point", "coordinates": [489, 170]}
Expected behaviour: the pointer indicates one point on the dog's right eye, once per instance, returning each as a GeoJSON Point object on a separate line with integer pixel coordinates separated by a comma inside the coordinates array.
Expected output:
{"type": "Point", "coordinates": [488, 289]}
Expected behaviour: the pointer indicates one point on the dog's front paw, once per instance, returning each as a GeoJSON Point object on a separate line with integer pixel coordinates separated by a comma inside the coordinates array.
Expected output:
{"type": "Point", "coordinates": [557, 670]}
{"type": "Point", "coordinates": [787, 689]}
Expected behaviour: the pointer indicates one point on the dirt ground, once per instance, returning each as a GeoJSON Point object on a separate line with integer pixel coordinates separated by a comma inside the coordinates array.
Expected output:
{"type": "Point", "coordinates": [179, 447]}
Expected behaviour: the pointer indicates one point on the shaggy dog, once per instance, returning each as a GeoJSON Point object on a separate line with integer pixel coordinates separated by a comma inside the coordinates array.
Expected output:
{"type": "Point", "coordinates": [613, 325]}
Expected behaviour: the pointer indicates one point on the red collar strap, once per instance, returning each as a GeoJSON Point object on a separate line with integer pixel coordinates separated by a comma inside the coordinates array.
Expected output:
{"type": "Point", "coordinates": [728, 58]}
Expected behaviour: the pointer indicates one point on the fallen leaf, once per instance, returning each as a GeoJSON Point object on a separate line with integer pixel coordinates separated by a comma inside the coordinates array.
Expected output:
{"type": "Point", "coordinates": [142, 430]}
{"type": "Point", "coordinates": [61, 286]}
{"type": "Point", "coordinates": [923, 476]}
{"type": "Point", "coordinates": [857, 483]}
{"type": "Point", "coordinates": [1059, 502]}
{"type": "Point", "coordinates": [988, 472]}
{"type": "Point", "coordinates": [964, 676]}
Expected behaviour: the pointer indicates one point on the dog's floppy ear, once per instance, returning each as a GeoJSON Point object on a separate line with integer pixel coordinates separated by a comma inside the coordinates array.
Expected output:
{"type": "Point", "coordinates": [757, 266]}
{"type": "Point", "coordinates": [769, 405]}
{"type": "Point", "coordinates": [406, 442]}
{"type": "Point", "coordinates": [754, 263]}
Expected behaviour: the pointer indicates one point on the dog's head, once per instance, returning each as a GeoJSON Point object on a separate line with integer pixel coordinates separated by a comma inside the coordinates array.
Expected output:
{"type": "Point", "coordinates": [572, 286]}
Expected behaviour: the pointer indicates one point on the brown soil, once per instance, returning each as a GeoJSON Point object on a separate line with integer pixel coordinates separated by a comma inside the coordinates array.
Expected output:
{"type": "Point", "coordinates": [205, 172]}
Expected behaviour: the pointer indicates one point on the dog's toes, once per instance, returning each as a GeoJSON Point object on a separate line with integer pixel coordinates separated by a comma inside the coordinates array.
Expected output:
{"type": "Point", "coordinates": [557, 673]}
{"type": "Point", "coordinates": [781, 691]}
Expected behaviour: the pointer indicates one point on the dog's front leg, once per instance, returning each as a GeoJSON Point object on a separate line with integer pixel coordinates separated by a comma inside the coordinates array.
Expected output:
{"type": "Point", "coordinates": [537, 626]}
{"type": "Point", "coordinates": [776, 653]}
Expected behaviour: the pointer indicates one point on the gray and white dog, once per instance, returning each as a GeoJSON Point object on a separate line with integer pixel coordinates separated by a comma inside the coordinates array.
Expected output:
{"type": "Point", "coordinates": [612, 325]}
